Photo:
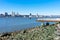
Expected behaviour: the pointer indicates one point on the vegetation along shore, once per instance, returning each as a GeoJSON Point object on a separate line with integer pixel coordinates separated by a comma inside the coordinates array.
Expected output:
{"type": "Point", "coordinates": [37, 33]}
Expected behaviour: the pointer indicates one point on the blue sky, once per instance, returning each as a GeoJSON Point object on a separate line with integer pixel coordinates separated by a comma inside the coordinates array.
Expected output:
{"type": "Point", "coordinates": [42, 7]}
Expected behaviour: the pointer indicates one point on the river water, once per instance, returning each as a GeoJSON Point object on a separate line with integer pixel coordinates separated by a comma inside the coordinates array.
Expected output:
{"type": "Point", "coordinates": [10, 24]}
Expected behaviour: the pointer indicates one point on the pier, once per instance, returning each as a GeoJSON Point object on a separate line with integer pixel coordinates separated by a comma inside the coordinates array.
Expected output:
{"type": "Point", "coordinates": [48, 20]}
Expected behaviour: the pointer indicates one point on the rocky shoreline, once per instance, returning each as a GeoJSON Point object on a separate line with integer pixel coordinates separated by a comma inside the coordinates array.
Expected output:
{"type": "Point", "coordinates": [13, 35]}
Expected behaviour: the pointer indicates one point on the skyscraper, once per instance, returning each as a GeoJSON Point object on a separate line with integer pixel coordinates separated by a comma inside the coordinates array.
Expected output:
{"type": "Point", "coordinates": [6, 14]}
{"type": "Point", "coordinates": [13, 13]}
{"type": "Point", "coordinates": [17, 14]}
{"type": "Point", "coordinates": [30, 15]}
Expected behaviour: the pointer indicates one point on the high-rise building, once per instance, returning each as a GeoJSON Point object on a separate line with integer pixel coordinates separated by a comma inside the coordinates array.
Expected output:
{"type": "Point", "coordinates": [37, 15]}
{"type": "Point", "coordinates": [6, 14]}
{"type": "Point", "coordinates": [13, 13]}
{"type": "Point", "coordinates": [17, 14]}
{"type": "Point", "coordinates": [30, 15]}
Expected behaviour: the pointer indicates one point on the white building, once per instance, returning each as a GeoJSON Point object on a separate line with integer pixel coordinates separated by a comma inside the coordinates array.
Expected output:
{"type": "Point", "coordinates": [13, 13]}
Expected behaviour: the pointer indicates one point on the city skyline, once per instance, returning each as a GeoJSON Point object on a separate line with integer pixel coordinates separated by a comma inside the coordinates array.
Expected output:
{"type": "Point", "coordinates": [42, 7]}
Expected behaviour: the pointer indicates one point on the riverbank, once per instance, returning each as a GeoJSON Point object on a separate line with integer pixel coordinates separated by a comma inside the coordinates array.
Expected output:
{"type": "Point", "coordinates": [36, 33]}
